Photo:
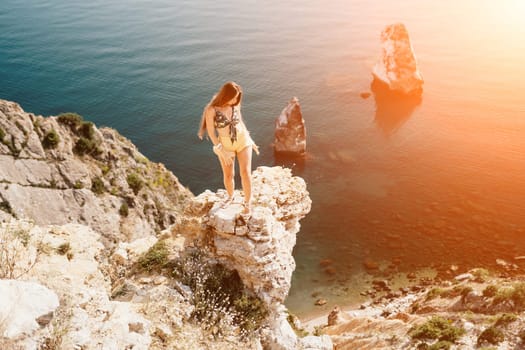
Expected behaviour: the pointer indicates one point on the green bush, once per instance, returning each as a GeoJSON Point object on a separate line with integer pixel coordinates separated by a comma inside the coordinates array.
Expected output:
{"type": "Point", "coordinates": [505, 319]}
{"type": "Point", "coordinates": [135, 182]}
{"type": "Point", "coordinates": [218, 293]}
{"type": "Point", "coordinates": [124, 210]}
{"type": "Point", "coordinates": [97, 186]}
{"type": "Point", "coordinates": [440, 345]}
{"type": "Point", "coordinates": [72, 120]}
{"type": "Point", "coordinates": [437, 328]}
{"type": "Point", "coordinates": [459, 290]}
{"type": "Point", "coordinates": [434, 293]}
{"type": "Point", "coordinates": [2, 134]}
{"type": "Point", "coordinates": [491, 335]}
{"type": "Point", "coordinates": [250, 311]}
{"type": "Point", "coordinates": [300, 332]}
{"type": "Point", "coordinates": [516, 294]}
{"type": "Point", "coordinates": [86, 130]}
{"type": "Point", "coordinates": [490, 291]}
{"type": "Point", "coordinates": [480, 274]}
{"type": "Point", "coordinates": [51, 139]}
{"type": "Point", "coordinates": [448, 293]}
{"type": "Point", "coordinates": [78, 185]}
{"type": "Point", "coordinates": [86, 146]}
{"type": "Point", "coordinates": [155, 258]}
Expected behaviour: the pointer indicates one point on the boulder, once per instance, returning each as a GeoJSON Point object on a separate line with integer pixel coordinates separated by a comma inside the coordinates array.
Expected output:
{"type": "Point", "coordinates": [290, 132]}
{"type": "Point", "coordinates": [397, 66]}
{"type": "Point", "coordinates": [22, 303]}
{"type": "Point", "coordinates": [337, 316]}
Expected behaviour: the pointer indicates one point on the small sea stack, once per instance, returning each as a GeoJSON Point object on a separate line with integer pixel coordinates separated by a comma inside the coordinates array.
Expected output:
{"type": "Point", "coordinates": [397, 67]}
{"type": "Point", "coordinates": [290, 132]}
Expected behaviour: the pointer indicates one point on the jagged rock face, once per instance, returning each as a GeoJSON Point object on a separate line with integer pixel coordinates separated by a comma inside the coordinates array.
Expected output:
{"type": "Point", "coordinates": [397, 66]}
{"type": "Point", "coordinates": [259, 248]}
{"type": "Point", "coordinates": [290, 132]}
{"type": "Point", "coordinates": [57, 184]}
{"type": "Point", "coordinates": [67, 268]}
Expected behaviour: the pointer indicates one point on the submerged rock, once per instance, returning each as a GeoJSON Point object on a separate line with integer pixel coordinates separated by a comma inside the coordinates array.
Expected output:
{"type": "Point", "coordinates": [290, 131]}
{"type": "Point", "coordinates": [397, 66]}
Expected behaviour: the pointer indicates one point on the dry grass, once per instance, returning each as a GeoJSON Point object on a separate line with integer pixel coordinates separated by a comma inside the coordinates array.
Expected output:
{"type": "Point", "coordinates": [17, 256]}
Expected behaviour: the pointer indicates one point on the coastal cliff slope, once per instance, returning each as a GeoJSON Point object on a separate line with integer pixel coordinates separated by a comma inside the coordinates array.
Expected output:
{"type": "Point", "coordinates": [101, 248]}
{"type": "Point", "coordinates": [58, 170]}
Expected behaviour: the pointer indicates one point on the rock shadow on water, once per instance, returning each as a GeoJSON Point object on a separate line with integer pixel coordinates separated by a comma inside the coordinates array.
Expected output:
{"type": "Point", "coordinates": [393, 108]}
{"type": "Point", "coordinates": [292, 161]}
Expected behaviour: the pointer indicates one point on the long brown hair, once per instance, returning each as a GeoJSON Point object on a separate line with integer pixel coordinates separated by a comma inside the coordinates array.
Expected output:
{"type": "Point", "coordinates": [224, 95]}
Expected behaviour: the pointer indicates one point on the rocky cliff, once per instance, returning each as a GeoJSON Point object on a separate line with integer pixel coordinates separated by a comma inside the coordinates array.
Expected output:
{"type": "Point", "coordinates": [59, 170]}
{"type": "Point", "coordinates": [102, 249]}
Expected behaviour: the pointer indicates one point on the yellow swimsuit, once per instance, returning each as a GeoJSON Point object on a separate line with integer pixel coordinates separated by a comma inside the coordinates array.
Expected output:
{"type": "Point", "coordinates": [239, 138]}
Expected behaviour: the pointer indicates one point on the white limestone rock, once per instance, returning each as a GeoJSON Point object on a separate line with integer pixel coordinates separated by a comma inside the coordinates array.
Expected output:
{"type": "Point", "coordinates": [259, 247]}
{"type": "Point", "coordinates": [323, 342]}
{"type": "Point", "coordinates": [21, 304]}
{"type": "Point", "coordinates": [397, 67]}
{"type": "Point", "coordinates": [54, 185]}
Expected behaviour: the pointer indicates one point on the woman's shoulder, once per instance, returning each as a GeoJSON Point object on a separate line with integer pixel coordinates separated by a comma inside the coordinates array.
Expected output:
{"type": "Point", "coordinates": [210, 109]}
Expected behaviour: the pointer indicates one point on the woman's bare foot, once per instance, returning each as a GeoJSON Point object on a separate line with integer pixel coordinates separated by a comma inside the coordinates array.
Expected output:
{"type": "Point", "coordinates": [246, 209]}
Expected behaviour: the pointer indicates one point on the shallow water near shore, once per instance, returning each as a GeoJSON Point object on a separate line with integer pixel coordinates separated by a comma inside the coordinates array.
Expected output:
{"type": "Point", "coordinates": [412, 185]}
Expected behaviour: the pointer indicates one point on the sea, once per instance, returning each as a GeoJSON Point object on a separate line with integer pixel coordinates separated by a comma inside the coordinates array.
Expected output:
{"type": "Point", "coordinates": [397, 186]}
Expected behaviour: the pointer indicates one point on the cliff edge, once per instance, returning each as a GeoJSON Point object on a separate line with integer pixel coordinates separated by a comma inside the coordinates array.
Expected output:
{"type": "Point", "coordinates": [102, 248]}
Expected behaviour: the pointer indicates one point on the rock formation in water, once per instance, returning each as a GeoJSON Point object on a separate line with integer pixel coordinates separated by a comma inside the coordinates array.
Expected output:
{"type": "Point", "coordinates": [397, 66]}
{"type": "Point", "coordinates": [98, 234]}
{"type": "Point", "coordinates": [290, 132]}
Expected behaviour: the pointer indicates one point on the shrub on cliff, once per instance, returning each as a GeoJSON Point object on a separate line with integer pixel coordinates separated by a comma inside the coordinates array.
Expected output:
{"type": "Point", "coordinates": [155, 258]}
{"type": "Point", "coordinates": [490, 291]}
{"type": "Point", "coordinates": [16, 257]}
{"type": "Point", "coordinates": [97, 185]}
{"type": "Point", "coordinates": [86, 146]}
{"type": "Point", "coordinates": [515, 293]}
{"type": "Point", "coordinates": [437, 328]}
{"type": "Point", "coordinates": [505, 319]}
{"type": "Point", "coordinates": [2, 134]}
{"type": "Point", "coordinates": [491, 335]}
{"type": "Point", "coordinates": [86, 130]}
{"type": "Point", "coordinates": [134, 182]}
{"type": "Point", "coordinates": [72, 120]}
{"type": "Point", "coordinates": [221, 301]}
{"type": "Point", "coordinates": [124, 209]}
{"type": "Point", "coordinates": [51, 139]}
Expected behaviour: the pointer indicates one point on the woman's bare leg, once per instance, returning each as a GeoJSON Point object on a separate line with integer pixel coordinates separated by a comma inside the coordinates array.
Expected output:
{"type": "Point", "coordinates": [228, 173]}
{"type": "Point", "coordinates": [245, 167]}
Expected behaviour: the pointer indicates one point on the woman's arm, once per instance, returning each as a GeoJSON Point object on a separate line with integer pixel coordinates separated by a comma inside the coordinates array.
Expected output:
{"type": "Point", "coordinates": [210, 126]}
{"type": "Point", "coordinates": [217, 146]}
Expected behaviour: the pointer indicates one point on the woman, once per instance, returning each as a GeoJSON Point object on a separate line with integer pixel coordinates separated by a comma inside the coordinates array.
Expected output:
{"type": "Point", "coordinates": [222, 115]}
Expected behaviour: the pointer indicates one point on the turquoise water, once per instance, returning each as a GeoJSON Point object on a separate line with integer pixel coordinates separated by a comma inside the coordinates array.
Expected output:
{"type": "Point", "coordinates": [438, 183]}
